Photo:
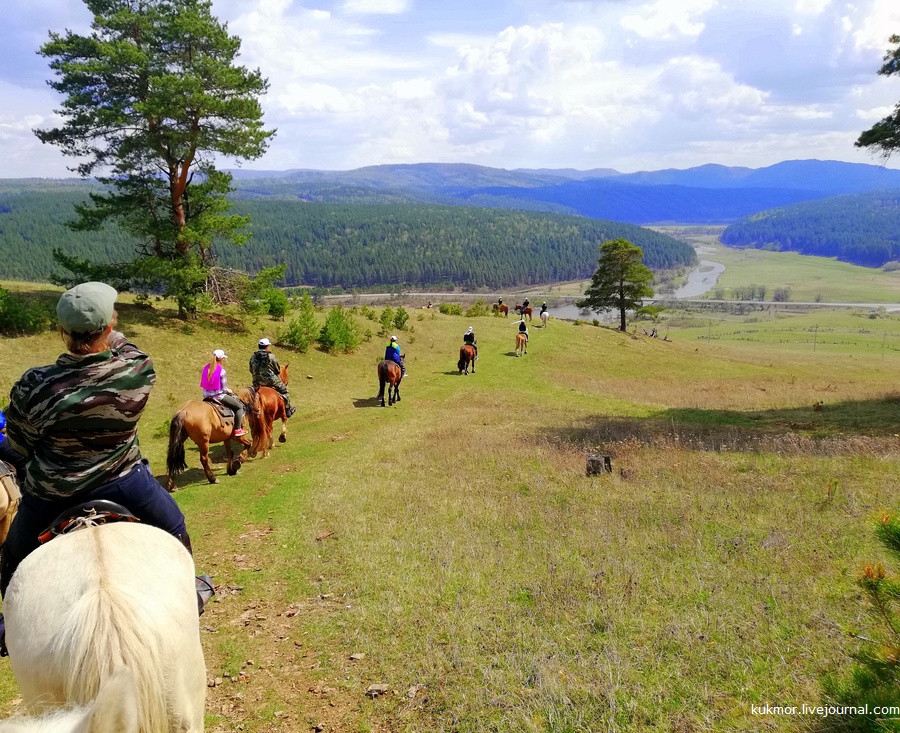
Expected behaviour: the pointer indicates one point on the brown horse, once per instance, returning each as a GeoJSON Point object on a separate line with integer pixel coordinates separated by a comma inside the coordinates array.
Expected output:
{"type": "Point", "coordinates": [10, 496]}
{"type": "Point", "coordinates": [521, 344]}
{"type": "Point", "coordinates": [389, 374]}
{"type": "Point", "coordinates": [524, 311]}
{"type": "Point", "coordinates": [200, 422]}
{"type": "Point", "coordinates": [271, 408]}
{"type": "Point", "coordinates": [501, 308]}
{"type": "Point", "coordinates": [466, 357]}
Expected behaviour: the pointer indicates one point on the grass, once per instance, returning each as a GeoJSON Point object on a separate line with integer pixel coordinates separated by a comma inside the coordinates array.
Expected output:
{"type": "Point", "coordinates": [491, 584]}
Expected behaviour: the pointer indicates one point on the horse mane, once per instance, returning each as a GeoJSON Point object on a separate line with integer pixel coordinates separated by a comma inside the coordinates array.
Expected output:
{"type": "Point", "coordinates": [103, 632]}
{"type": "Point", "coordinates": [250, 398]}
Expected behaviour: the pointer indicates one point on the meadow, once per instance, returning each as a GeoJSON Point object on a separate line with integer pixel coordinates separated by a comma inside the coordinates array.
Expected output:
{"type": "Point", "coordinates": [452, 549]}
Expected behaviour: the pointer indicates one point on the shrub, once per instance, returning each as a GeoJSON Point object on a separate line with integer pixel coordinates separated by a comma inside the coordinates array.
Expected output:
{"type": "Point", "coordinates": [781, 295]}
{"type": "Point", "coordinates": [20, 316]}
{"type": "Point", "coordinates": [386, 320]}
{"type": "Point", "coordinates": [294, 336]}
{"type": "Point", "coordinates": [277, 303]}
{"type": "Point", "coordinates": [340, 332]}
{"type": "Point", "coordinates": [306, 318]}
{"type": "Point", "coordinates": [401, 317]}
{"type": "Point", "coordinates": [450, 309]}
{"type": "Point", "coordinates": [478, 308]}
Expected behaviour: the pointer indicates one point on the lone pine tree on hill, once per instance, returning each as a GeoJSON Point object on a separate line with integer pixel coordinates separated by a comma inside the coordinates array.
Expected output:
{"type": "Point", "coordinates": [151, 96]}
{"type": "Point", "coordinates": [620, 281]}
{"type": "Point", "coordinates": [884, 136]}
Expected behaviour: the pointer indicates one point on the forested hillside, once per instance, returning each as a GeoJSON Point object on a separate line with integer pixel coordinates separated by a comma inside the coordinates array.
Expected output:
{"type": "Point", "coordinates": [863, 228]}
{"type": "Point", "coordinates": [354, 245]}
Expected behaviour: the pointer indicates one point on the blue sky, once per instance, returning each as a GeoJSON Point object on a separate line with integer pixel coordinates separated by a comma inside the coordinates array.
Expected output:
{"type": "Point", "coordinates": [520, 83]}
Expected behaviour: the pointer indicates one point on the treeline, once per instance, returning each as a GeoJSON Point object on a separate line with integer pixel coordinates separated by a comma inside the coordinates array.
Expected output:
{"type": "Point", "coordinates": [861, 228]}
{"type": "Point", "coordinates": [354, 245]}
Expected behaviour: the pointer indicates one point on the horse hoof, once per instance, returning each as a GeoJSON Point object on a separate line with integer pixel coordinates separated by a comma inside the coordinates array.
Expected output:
{"type": "Point", "coordinates": [282, 439]}
{"type": "Point", "coordinates": [214, 480]}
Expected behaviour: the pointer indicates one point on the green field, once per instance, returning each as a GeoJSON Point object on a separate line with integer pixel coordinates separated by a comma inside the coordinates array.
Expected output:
{"type": "Point", "coordinates": [483, 577]}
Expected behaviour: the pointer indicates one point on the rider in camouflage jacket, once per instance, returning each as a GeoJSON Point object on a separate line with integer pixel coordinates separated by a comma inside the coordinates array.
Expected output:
{"type": "Point", "coordinates": [266, 372]}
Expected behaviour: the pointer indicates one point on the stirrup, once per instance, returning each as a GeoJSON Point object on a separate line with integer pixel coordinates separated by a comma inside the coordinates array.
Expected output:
{"type": "Point", "coordinates": [205, 591]}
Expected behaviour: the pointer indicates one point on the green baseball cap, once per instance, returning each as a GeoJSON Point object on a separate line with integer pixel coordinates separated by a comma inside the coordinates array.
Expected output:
{"type": "Point", "coordinates": [87, 308]}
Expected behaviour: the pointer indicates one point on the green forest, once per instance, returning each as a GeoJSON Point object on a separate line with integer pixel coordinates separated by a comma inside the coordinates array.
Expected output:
{"type": "Point", "coordinates": [861, 228]}
{"type": "Point", "coordinates": [352, 246]}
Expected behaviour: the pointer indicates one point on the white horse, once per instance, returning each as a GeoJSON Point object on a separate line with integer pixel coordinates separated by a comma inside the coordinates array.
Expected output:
{"type": "Point", "coordinates": [545, 316]}
{"type": "Point", "coordinates": [104, 636]}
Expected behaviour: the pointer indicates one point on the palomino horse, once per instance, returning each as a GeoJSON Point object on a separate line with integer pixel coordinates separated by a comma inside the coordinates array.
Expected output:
{"type": "Point", "coordinates": [103, 634]}
{"type": "Point", "coordinates": [200, 422]}
{"type": "Point", "coordinates": [501, 308]}
{"type": "Point", "coordinates": [390, 374]}
{"type": "Point", "coordinates": [545, 316]}
{"type": "Point", "coordinates": [521, 344]}
{"type": "Point", "coordinates": [524, 311]}
{"type": "Point", "coordinates": [466, 357]}
{"type": "Point", "coordinates": [271, 408]}
{"type": "Point", "coordinates": [10, 496]}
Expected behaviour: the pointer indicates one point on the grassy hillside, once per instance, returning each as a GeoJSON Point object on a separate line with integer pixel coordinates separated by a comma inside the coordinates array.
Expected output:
{"type": "Point", "coordinates": [483, 577]}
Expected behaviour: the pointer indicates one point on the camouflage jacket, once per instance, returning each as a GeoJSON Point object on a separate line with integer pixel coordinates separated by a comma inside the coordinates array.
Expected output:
{"type": "Point", "coordinates": [76, 420]}
{"type": "Point", "coordinates": [265, 369]}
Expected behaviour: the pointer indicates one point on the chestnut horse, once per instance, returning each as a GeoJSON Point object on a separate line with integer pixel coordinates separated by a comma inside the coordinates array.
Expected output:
{"type": "Point", "coordinates": [466, 357]}
{"type": "Point", "coordinates": [271, 408]}
{"type": "Point", "coordinates": [390, 374]}
{"type": "Point", "coordinates": [521, 344]}
{"type": "Point", "coordinates": [501, 308]}
{"type": "Point", "coordinates": [200, 422]}
{"type": "Point", "coordinates": [524, 311]}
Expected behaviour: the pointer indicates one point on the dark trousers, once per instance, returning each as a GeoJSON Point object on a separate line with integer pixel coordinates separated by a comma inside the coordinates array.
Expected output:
{"type": "Point", "coordinates": [235, 404]}
{"type": "Point", "coordinates": [137, 491]}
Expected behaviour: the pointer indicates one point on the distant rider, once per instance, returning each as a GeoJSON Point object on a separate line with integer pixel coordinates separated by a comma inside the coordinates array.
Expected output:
{"type": "Point", "coordinates": [525, 304]}
{"type": "Point", "coordinates": [523, 328]}
{"type": "Point", "coordinates": [215, 386]}
{"type": "Point", "coordinates": [75, 421]}
{"type": "Point", "coordinates": [392, 353]}
{"type": "Point", "coordinates": [469, 338]}
{"type": "Point", "coordinates": [267, 373]}
{"type": "Point", "coordinates": [543, 307]}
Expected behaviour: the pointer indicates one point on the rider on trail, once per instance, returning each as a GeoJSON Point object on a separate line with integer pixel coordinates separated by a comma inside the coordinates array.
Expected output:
{"type": "Point", "coordinates": [523, 328]}
{"type": "Point", "coordinates": [469, 338]}
{"type": "Point", "coordinates": [392, 353]}
{"type": "Point", "coordinates": [215, 387]}
{"type": "Point", "coordinates": [75, 421]}
{"type": "Point", "coordinates": [267, 373]}
{"type": "Point", "coordinates": [544, 307]}
{"type": "Point", "coordinates": [525, 304]}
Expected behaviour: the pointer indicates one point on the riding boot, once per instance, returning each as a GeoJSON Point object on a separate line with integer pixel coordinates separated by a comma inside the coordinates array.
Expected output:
{"type": "Point", "coordinates": [203, 583]}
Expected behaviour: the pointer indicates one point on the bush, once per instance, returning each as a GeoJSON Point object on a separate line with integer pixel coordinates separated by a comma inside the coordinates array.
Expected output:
{"type": "Point", "coordinates": [340, 332]}
{"type": "Point", "coordinates": [781, 295]}
{"type": "Point", "coordinates": [19, 316]}
{"type": "Point", "coordinates": [400, 318]}
{"type": "Point", "coordinates": [450, 309]}
{"type": "Point", "coordinates": [478, 308]}
{"type": "Point", "coordinates": [306, 319]}
{"type": "Point", "coordinates": [386, 320]}
{"type": "Point", "coordinates": [277, 303]}
{"type": "Point", "coordinates": [294, 336]}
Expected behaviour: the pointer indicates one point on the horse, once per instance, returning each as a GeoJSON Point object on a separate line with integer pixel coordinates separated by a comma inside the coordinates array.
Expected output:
{"type": "Point", "coordinates": [545, 316]}
{"type": "Point", "coordinates": [524, 311]}
{"type": "Point", "coordinates": [10, 496]}
{"type": "Point", "coordinates": [466, 357]}
{"type": "Point", "coordinates": [271, 408]}
{"type": "Point", "coordinates": [521, 344]}
{"type": "Point", "coordinates": [501, 308]}
{"type": "Point", "coordinates": [200, 422]}
{"type": "Point", "coordinates": [103, 634]}
{"type": "Point", "coordinates": [390, 374]}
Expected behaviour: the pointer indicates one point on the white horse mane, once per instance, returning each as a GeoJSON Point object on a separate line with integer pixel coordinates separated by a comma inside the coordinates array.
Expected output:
{"type": "Point", "coordinates": [101, 616]}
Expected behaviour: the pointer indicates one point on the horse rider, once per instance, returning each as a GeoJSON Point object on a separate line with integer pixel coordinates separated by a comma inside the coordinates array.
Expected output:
{"type": "Point", "coordinates": [267, 373]}
{"type": "Point", "coordinates": [215, 387]}
{"type": "Point", "coordinates": [499, 301]}
{"type": "Point", "coordinates": [525, 304]}
{"type": "Point", "coordinates": [75, 421]}
{"type": "Point", "coordinates": [543, 307]}
{"type": "Point", "coordinates": [469, 338]}
{"type": "Point", "coordinates": [523, 328]}
{"type": "Point", "coordinates": [392, 353]}
{"type": "Point", "coordinates": [9, 454]}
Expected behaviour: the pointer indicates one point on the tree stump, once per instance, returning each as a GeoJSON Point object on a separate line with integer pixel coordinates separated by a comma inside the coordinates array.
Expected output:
{"type": "Point", "coordinates": [597, 465]}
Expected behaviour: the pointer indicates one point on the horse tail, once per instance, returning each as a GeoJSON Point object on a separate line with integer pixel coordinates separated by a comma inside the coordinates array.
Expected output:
{"type": "Point", "coordinates": [251, 399]}
{"type": "Point", "coordinates": [175, 460]}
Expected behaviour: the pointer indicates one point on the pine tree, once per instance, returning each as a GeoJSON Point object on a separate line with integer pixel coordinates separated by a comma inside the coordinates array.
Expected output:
{"type": "Point", "coordinates": [620, 281]}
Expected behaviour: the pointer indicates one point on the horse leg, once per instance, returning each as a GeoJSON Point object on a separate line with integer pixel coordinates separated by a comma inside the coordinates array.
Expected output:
{"type": "Point", "coordinates": [204, 460]}
{"type": "Point", "coordinates": [234, 462]}
{"type": "Point", "coordinates": [381, 391]}
{"type": "Point", "coordinates": [283, 437]}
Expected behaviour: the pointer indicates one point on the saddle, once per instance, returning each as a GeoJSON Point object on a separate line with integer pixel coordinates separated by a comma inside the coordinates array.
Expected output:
{"type": "Point", "coordinates": [226, 414]}
{"type": "Point", "coordinates": [89, 514]}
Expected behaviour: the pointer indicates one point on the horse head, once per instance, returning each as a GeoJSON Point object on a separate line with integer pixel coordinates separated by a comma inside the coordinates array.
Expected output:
{"type": "Point", "coordinates": [284, 373]}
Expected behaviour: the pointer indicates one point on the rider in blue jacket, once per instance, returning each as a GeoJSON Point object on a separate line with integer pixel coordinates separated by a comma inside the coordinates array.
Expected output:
{"type": "Point", "coordinates": [392, 353]}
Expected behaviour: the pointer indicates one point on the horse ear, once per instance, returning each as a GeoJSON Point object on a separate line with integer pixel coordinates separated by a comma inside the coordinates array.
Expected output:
{"type": "Point", "coordinates": [116, 708]}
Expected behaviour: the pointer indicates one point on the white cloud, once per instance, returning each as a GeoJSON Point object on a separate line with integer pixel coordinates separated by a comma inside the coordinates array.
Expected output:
{"type": "Point", "coordinates": [667, 19]}
{"type": "Point", "coordinates": [376, 7]}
